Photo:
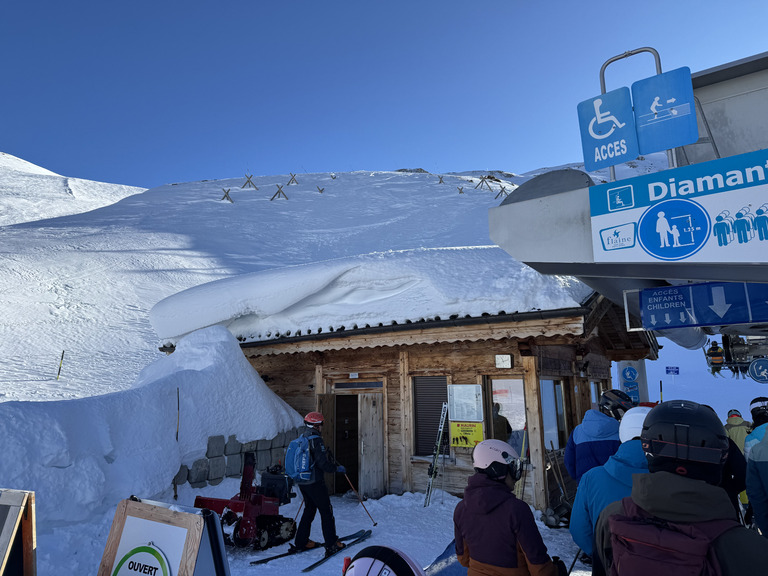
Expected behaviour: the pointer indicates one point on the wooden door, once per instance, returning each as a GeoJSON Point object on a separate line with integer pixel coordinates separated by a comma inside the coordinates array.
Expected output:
{"type": "Point", "coordinates": [371, 434]}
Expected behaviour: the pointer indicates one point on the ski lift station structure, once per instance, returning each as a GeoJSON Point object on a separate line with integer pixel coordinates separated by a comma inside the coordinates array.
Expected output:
{"type": "Point", "coordinates": [550, 225]}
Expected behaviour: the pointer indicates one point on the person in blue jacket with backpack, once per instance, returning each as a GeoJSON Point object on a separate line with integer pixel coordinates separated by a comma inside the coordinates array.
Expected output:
{"type": "Point", "coordinates": [315, 493]}
{"type": "Point", "coordinates": [597, 437]}
{"type": "Point", "coordinates": [608, 483]}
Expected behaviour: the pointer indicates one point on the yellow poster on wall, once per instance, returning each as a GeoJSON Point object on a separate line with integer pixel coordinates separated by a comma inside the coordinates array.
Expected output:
{"type": "Point", "coordinates": [466, 434]}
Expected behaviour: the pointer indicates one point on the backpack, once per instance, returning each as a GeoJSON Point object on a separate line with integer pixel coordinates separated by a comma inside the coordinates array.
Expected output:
{"type": "Point", "coordinates": [299, 464]}
{"type": "Point", "coordinates": [644, 544]}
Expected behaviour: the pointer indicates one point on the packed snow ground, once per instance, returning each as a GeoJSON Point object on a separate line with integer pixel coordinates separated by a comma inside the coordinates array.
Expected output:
{"type": "Point", "coordinates": [83, 264]}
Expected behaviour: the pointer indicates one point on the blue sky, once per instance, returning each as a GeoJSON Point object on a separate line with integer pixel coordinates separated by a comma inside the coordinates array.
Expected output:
{"type": "Point", "coordinates": [146, 93]}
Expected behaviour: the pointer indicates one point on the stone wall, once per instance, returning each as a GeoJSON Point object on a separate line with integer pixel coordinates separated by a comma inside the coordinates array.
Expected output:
{"type": "Point", "coordinates": [224, 458]}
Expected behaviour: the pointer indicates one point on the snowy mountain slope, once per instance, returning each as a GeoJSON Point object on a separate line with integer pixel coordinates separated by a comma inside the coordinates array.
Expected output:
{"type": "Point", "coordinates": [29, 192]}
{"type": "Point", "coordinates": [84, 283]}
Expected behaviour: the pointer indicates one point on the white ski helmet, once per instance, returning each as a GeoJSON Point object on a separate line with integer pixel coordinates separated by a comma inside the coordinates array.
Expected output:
{"type": "Point", "coordinates": [495, 458]}
{"type": "Point", "coordinates": [631, 425]}
{"type": "Point", "coordinates": [382, 561]}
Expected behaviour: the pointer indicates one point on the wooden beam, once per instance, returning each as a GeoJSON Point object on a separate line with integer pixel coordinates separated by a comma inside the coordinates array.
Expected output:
{"type": "Point", "coordinates": [601, 308]}
{"type": "Point", "coordinates": [535, 425]}
{"type": "Point", "coordinates": [406, 424]}
{"type": "Point", "coordinates": [547, 327]}
{"type": "Point", "coordinates": [633, 354]}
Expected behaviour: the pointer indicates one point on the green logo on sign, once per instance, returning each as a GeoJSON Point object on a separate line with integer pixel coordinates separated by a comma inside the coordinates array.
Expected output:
{"type": "Point", "coordinates": [143, 560]}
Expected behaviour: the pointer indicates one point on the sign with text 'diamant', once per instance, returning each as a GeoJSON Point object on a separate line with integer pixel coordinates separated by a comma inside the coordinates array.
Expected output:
{"type": "Point", "coordinates": [713, 212]}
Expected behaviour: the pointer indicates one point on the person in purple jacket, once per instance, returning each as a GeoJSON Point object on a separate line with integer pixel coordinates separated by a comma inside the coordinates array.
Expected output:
{"type": "Point", "coordinates": [597, 437]}
{"type": "Point", "coordinates": [495, 531]}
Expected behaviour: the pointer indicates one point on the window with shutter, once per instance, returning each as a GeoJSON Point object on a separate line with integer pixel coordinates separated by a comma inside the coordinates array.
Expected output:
{"type": "Point", "coordinates": [429, 393]}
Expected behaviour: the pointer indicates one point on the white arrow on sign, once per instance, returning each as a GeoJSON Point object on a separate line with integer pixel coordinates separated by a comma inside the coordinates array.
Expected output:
{"type": "Point", "coordinates": [718, 305]}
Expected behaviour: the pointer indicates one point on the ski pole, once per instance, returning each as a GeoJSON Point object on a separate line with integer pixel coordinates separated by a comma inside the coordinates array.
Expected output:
{"type": "Point", "coordinates": [299, 510]}
{"type": "Point", "coordinates": [574, 561]}
{"type": "Point", "coordinates": [358, 497]}
{"type": "Point", "coordinates": [557, 469]}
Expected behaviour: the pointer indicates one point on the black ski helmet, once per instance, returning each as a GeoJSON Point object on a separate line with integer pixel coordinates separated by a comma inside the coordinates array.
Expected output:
{"type": "Point", "coordinates": [615, 403]}
{"type": "Point", "coordinates": [685, 438]}
{"type": "Point", "coordinates": [759, 409]}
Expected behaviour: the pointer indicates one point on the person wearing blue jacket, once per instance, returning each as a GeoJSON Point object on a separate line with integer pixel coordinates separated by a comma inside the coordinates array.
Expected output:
{"type": "Point", "coordinates": [757, 483]}
{"type": "Point", "coordinates": [757, 463]}
{"type": "Point", "coordinates": [759, 409]}
{"type": "Point", "coordinates": [610, 482]}
{"type": "Point", "coordinates": [597, 437]}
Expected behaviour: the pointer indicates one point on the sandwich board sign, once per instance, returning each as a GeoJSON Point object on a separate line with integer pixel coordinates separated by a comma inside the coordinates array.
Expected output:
{"type": "Point", "coordinates": [151, 538]}
{"type": "Point", "coordinates": [18, 538]}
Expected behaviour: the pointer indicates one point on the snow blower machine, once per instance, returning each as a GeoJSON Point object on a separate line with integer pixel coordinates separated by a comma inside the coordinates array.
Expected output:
{"type": "Point", "coordinates": [251, 518]}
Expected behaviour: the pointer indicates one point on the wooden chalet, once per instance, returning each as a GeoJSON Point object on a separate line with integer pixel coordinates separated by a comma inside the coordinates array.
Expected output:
{"type": "Point", "coordinates": [381, 390]}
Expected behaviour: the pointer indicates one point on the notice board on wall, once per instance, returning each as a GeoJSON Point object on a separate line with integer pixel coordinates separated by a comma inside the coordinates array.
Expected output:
{"type": "Point", "coordinates": [18, 540]}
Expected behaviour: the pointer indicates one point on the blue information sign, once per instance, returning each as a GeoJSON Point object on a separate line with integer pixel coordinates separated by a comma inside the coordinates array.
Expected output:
{"type": "Point", "coordinates": [665, 114]}
{"type": "Point", "coordinates": [707, 304]}
{"type": "Point", "coordinates": [758, 370]}
{"type": "Point", "coordinates": [713, 212]}
{"type": "Point", "coordinates": [607, 126]}
{"type": "Point", "coordinates": [629, 374]}
{"type": "Point", "coordinates": [674, 370]}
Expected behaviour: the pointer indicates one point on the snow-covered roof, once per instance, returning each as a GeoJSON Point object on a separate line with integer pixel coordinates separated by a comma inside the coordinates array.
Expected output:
{"type": "Point", "coordinates": [378, 289]}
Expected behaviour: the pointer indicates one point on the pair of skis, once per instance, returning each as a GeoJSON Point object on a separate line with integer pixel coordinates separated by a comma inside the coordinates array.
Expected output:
{"type": "Point", "coordinates": [353, 539]}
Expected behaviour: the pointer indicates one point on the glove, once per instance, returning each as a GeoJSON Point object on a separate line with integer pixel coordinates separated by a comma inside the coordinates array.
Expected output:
{"type": "Point", "coordinates": [341, 470]}
{"type": "Point", "coordinates": [560, 565]}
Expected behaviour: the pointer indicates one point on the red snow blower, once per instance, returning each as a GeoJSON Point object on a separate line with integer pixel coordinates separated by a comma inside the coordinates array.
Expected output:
{"type": "Point", "coordinates": [251, 518]}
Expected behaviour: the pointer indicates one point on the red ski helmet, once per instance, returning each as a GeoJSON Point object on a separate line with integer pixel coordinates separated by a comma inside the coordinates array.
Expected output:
{"type": "Point", "coordinates": [314, 419]}
{"type": "Point", "coordinates": [382, 561]}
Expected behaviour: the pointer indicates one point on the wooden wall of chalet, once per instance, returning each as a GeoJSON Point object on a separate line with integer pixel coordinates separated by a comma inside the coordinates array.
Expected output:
{"type": "Point", "coordinates": [298, 377]}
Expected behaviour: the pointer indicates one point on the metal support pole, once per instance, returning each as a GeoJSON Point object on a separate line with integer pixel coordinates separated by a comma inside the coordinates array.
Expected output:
{"type": "Point", "coordinates": [670, 157]}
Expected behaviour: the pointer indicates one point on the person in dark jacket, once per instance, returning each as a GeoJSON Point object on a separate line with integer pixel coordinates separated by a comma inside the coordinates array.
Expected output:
{"type": "Point", "coordinates": [686, 446]}
{"type": "Point", "coordinates": [315, 494]}
{"type": "Point", "coordinates": [597, 437]}
{"type": "Point", "coordinates": [612, 481]}
{"type": "Point", "coordinates": [495, 532]}
{"type": "Point", "coordinates": [734, 480]}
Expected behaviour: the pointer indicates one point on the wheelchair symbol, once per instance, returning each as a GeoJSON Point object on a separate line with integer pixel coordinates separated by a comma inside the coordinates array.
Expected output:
{"type": "Point", "coordinates": [603, 118]}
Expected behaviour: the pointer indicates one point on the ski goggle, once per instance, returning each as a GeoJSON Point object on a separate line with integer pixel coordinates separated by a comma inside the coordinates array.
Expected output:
{"type": "Point", "coordinates": [514, 464]}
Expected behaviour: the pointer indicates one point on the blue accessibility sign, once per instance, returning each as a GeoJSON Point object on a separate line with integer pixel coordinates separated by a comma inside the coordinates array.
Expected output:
{"type": "Point", "coordinates": [705, 304]}
{"type": "Point", "coordinates": [665, 113]}
{"type": "Point", "coordinates": [758, 370]}
{"type": "Point", "coordinates": [607, 126]}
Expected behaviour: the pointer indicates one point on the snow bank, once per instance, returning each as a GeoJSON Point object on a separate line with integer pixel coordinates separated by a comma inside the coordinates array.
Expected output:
{"type": "Point", "coordinates": [82, 456]}
{"type": "Point", "coordinates": [370, 289]}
